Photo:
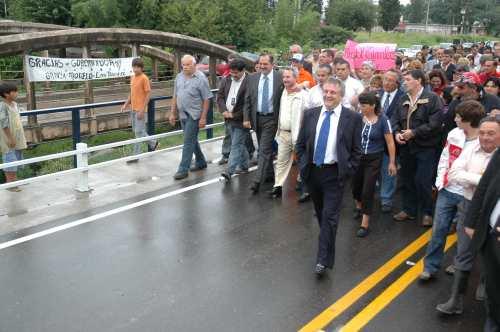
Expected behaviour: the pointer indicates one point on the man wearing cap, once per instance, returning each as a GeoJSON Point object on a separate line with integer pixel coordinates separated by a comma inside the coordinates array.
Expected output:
{"type": "Point", "coordinates": [304, 79]}
{"type": "Point", "coordinates": [468, 87]}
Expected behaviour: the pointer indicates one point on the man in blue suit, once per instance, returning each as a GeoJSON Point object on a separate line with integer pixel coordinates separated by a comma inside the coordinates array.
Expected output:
{"type": "Point", "coordinates": [390, 97]}
{"type": "Point", "coordinates": [329, 151]}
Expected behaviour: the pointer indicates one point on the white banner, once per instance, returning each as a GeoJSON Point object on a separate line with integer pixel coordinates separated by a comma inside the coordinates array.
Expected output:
{"type": "Point", "coordinates": [41, 69]}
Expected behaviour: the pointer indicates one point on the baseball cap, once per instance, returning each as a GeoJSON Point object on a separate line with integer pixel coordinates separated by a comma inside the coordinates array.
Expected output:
{"type": "Point", "coordinates": [297, 57]}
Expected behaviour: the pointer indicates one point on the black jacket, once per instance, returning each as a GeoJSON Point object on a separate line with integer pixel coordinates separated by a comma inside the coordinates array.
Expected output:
{"type": "Point", "coordinates": [425, 121]}
{"type": "Point", "coordinates": [394, 104]}
{"type": "Point", "coordinates": [222, 95]}
{"type": "Point", "coordinates": [484, 201]}
{"type": "Point", "coordinates": [348, 141]}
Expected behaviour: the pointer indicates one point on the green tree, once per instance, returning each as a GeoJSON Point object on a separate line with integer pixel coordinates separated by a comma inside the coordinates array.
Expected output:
{"type": "Point", "coordinates": [389, 13]}
{"type": "Point", "coordinates": [98, 14]}
{"type": "Point", "coordinates": [351, 15]}
{"type": "Point", "coordinates": [331, 35]}
{"type": "Point", "coordinates": [54, 11]}
{"type": "Point", "coordinates": [416, 11]}
{"type": "Point", "coordinates": [294, 24]}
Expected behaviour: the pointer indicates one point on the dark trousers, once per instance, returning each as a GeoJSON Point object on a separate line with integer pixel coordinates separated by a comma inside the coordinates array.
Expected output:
{"type": "Point", "coordinates": [417, 170]}
{"type": "Point", "coordinates": [326, 190]}
{"type": "Point", "coordinates": [365, 179]}
{"type": "Point", "coordinates": [266, 131]}
{"type": "Point", "coordinates": [491, 269]}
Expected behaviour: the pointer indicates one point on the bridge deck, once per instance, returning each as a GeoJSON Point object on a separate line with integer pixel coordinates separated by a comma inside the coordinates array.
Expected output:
{"type": "Point", "coordinates": [202, 256]}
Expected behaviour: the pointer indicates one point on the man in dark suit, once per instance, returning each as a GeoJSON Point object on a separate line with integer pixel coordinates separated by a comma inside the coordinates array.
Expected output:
{"type": "Point", "coordinates": [482, 223]}
{"type": "Point", "coordinates": [390, 97]}
{"type": "Point", "coordinates": [261, 112]}
{"type": "Point", "coordinates": [329, 151]}
{"type": "Point", "coordinates": [446, 65]}
{"type": "Point", "coordinates": [231, 99]}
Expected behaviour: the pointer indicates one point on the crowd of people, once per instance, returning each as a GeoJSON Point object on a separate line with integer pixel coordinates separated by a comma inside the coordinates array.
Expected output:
{"type": "Point", "coordinates": [429, 126]}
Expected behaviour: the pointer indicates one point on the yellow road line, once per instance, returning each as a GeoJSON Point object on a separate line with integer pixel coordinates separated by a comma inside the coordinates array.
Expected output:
{"type": "Point", "coordinates": [365, 286]}
{"type": "Point", "coordinates": [390, 293]}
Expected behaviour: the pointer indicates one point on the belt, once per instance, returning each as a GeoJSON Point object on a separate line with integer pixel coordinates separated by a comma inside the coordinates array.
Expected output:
{"type": "Point", "coordinates": [265, 114]}
{"type": "Point", "coordinates": [326, 165]}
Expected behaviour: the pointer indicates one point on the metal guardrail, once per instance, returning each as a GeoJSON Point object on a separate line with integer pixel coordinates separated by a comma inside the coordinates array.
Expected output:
{"type": "Point", "coordinates": [81, 151]}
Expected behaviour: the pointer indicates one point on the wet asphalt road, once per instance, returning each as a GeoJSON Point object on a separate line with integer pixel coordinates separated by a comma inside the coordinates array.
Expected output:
{"type": "Point", "coordinates": [211, 259]}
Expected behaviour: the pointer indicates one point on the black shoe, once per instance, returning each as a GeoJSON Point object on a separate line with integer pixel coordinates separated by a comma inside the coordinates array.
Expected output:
{"type": "Point", "coordinates": [362, 231]}
{"type": "Point", "coordinates": [304, 197]}
{"type": "Point", "coordinates": [180, 176]}
{"type": "Point", "coordinates": [254, 188]}
{"type": "Point", "coordinates": [320, 270]}
{"type": "Point", "coordinates": [386, 208]}
{"type": "Point", "coordinates": [275, 192]}
{"type": "Point", "coordinates": [196, 168]}
{"type": "Point", "coordinates": [357, 213]}
{"type": "Point", "coordinates": [223, 161]}
{"type": "Point", "coordinates": [154, 148]}
{"type": "Point", "coordinates": [132, 161]}
{"type": "Point", "coordinates": [226, 177]}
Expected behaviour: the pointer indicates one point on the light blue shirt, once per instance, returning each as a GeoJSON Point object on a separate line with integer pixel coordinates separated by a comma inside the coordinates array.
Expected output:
{"type": "Point", "coordinates": [270, 94]}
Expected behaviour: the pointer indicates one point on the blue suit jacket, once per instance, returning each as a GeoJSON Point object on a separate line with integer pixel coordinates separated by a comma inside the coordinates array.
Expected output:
{"type": "Point", "coordinates": [394, 104]}
{"type": "Point", "coordinates": [348, 141]}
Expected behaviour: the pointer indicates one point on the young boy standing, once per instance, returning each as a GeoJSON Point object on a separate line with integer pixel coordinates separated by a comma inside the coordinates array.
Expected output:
{"type": "Point", "coordinates": [12, 140]}
{"type": "Point", "coordinates": [140, 92]}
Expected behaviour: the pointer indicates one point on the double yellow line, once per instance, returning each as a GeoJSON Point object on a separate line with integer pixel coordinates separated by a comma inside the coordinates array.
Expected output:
{"type": "Point", "coordinates": [389, 294]}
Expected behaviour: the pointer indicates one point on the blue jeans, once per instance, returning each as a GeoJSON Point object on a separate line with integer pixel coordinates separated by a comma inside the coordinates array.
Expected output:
{"type": "Point", "coordinates": [10, 157]}
{"type": "Point", "coordinates": [387, 183]}
{"type": "Point", "coordinates": [238, 156]}
{"type": "Point", "coordinates": [139, 128]}
{"type": "Point", "coordinates": [446, 209]}
{"type": "Point", "coordinates": [191, 145]}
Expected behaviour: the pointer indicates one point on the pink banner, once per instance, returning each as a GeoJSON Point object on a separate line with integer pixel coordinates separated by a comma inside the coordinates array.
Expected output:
{"type": "Point", "coordinates": [382, 55]}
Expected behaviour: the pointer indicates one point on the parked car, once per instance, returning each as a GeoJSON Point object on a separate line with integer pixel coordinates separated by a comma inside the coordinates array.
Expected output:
{"type": "Point", "coordinates": [220, 68]}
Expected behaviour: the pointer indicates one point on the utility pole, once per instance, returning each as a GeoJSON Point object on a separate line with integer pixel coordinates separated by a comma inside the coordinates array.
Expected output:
{"type": "Point", "coordinates": [427, 15]}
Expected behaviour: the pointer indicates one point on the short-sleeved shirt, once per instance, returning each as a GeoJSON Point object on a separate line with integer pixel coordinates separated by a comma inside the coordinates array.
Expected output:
{"type": "Point", "coordinates": [139, 88]}
{"type": "Point", "coordinates": [304, 75]}
{"type": "Point", "coordinates": [190, 93]}
{"type": "Point", "coordinates": [10, 118]}
{"type": "Point", "coordinates": [372, 135]}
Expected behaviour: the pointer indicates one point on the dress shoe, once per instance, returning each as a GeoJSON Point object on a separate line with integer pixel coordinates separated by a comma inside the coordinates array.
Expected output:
{"type": "Point", "coordinates": [304, 197]}
{"type": "Point", "coordinates": [320, 270]}
{"type": "Point", "coordinates": [197, 168]}
{"type": "Point", "coordinates": [362, 231]}
{"type": "Point", "coordinates": [425, 276]}
{"type": "Point", "coordinates": [180, 176]}
{"type": "Point", "coordinates": [254, 188]}
{"type": "Point", "coordinates": [402, 216]}
{"type": "Point", "coordinates": [275, 192]}
{"type": "Point", "coordinates": [226, 177]}
{"type": "Point", "coordinates": [222, 161]}
{"type": "Point", "coordinates": [427, 221]}
{"type": "Point", "coordinates": [386, 208]}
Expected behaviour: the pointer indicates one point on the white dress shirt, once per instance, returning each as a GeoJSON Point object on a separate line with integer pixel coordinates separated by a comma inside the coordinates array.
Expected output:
{"type": "Point", "coordinates": [353, 87]}
{"type": "Point", "coordinates": [315, 96]}
{"type": "Point", "coordinates": [389, 95]}
{"type": "Point", "coordinates": [233, 92]}
{"type": "Point", "coordinates": [469, 167]}
{"type": "Point", "coordinates": [261, 88]}
{"type": "Point", "coordinates": [331, 146]}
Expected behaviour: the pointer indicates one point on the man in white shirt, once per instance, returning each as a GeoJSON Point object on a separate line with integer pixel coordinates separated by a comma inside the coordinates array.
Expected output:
{"type": "Point", "coordinates": [294, 100]}
{"type": "Point", "coordinates": [316, 92]}
{"type": "Point", "coordinates": [353, 87]}
{"type": "Point", "coordinates": [467, 171]}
